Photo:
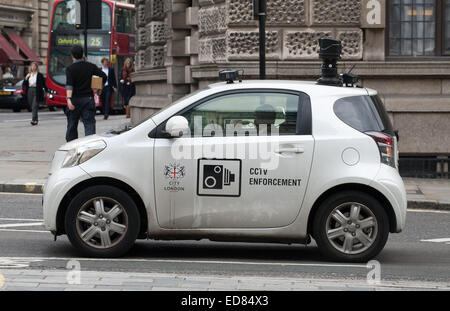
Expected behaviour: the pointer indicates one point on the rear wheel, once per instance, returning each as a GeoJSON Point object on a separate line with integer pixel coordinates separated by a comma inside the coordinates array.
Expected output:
{"type": "Point", "coordinates": [16, 109]}
{"type": "Point", "coordinates": [102, 221]}
{"type": "Point", "coordinates": [351, 226]}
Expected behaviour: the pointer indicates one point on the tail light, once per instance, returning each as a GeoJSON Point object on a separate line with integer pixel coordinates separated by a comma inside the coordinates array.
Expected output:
{"type": "Point", "coordinates": [386, 146]}
{"type": "Point", "coordinates": [19, 92]}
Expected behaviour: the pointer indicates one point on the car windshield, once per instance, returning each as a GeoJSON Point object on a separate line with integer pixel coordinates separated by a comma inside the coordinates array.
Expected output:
{"type": "Point", "coordinates": [174, 103]}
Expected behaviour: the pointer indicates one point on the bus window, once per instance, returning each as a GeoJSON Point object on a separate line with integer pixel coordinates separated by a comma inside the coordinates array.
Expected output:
{"type": "Point", "coordinates": [125, 20]}
{"type": "Point", "coordinates": [65, 16]}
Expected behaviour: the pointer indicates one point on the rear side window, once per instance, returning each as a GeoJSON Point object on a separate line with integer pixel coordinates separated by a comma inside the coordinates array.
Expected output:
{"type": "Point", "coordinates": [364, 113]}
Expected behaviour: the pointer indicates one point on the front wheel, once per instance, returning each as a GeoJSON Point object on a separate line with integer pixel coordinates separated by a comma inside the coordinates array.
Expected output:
{"type": "Point", "coordinates": [351, 226]}
{"type": "Point", "coordinates": [102, 221]}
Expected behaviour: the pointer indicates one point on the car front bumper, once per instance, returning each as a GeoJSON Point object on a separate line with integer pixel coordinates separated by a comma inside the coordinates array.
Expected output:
{"type": "Point", "coordinates": [59, 183]}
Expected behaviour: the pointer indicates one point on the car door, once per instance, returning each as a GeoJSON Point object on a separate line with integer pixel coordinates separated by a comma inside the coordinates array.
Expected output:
{"type": "Point", "coordinates": [245, 163]}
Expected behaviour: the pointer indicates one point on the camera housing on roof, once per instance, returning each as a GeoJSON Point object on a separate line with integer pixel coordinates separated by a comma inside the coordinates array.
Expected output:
{"type": "Point", "coordinates": [330, 52]}
{"type": "Point", "coordinates": [229, 75]}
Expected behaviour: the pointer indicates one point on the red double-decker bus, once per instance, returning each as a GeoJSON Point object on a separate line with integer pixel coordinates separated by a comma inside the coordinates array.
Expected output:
{"type": "Point", "coordinates": [115, 40]}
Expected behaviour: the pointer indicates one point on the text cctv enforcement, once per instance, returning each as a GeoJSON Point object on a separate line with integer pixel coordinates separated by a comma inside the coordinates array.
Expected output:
{"type": "Point", "coordinates": [263, 181]}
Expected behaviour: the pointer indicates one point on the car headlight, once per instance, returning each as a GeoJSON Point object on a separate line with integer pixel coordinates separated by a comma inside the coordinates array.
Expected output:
{"type": "Point", "coordinates": [83, 153]}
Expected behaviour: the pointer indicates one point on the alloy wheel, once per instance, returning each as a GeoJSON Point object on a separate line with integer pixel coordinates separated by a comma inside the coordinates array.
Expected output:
{"type": "Point", "coordinates": [102, 222]}
{"type": "Point", "coordinates": [351, 228]}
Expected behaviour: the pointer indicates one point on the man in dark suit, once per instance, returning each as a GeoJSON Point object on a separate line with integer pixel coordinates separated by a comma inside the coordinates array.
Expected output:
{"type": "Point", "coordinates": [109, 88]}
{"type": "Point", "coordinates": [80, 98]}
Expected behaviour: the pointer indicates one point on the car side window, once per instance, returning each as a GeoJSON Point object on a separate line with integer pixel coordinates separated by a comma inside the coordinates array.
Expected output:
{"type": "Point", "coordinates": [245, 114]}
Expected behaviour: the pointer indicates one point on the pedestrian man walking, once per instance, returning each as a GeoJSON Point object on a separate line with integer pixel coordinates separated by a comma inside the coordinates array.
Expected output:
{"type": "Point", "coordinates": [80, 97]}
{"type": "Point", "coordinates": [109, 88]}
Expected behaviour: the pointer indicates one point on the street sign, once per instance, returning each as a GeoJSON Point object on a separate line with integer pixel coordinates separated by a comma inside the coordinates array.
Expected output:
{"type": "Point", "coordinates": [92, 9]}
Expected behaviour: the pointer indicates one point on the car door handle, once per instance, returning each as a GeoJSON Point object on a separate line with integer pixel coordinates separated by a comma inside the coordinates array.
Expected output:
{"type": "Point", "coordinates": [290, 150]}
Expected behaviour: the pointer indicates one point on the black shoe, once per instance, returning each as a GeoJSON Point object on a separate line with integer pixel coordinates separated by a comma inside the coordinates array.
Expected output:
{"type": "Point", "coordinates": [105, 117]}
{"type": "Point", "coordinates": [34, 122]}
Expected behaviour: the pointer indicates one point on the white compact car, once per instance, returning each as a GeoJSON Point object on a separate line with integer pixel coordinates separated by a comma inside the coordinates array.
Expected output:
{"type": "Point", "coordinates": [252, 161]}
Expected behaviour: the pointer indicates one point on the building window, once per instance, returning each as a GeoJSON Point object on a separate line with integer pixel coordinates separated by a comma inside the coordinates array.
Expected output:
{"type": "Point", "coordinates": [446, 21]}
{"type": "Point", "coordinates": [418, 28]}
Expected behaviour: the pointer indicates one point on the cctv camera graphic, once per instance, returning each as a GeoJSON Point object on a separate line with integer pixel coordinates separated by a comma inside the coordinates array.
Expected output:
{"type": "Point", "coordinates": [216, 176]}
{"type": "Point", "coordinates": [219, 177]}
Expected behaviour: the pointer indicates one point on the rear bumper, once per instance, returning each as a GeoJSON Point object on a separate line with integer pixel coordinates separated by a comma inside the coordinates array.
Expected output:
{"type": "Point", "coordinates": [390, 184]}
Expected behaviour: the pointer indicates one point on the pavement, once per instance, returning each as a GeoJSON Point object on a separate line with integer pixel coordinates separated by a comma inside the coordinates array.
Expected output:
{"type": "Point", "coordinates": [26, 153]}
{"type": "Point", "coordinates": [45, 280]}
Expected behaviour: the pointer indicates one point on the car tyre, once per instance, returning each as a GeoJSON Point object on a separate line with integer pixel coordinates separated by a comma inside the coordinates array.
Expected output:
{"type": "Point", "coordinates": [87, 217]}
{"type": "Point", "coordinates": [16, 110]}
{"type": "Point", "coordinates": [340, 236]}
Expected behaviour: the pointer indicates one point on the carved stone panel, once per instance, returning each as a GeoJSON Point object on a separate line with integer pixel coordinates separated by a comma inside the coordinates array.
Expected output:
{"type": "Point", "coordinates": [154, 10]}
{"type": "Point", "coordinates": [203, 3]}
{"type": "Point", "coordinates": [245, 44]}
{"type": "Point", "coordinates": [154, 57]}
{"type": "Point", "coordinates": [329, 12]}
{"type": "Point", "coordinates": [303, 44]}
{"type": "Point", "coordinates": [212, 20]}
{"type": "Point", "coordinates": [140, 15]}
{"type": "Point", "coordinates": [352, 45]}
{"type": "Point", "coordinates": [240, 11]}
{"type": "Point", "coordinates": [140, 60]}
{"type": "Point", "coordinates": [286, 12]}
{"type": "Point", "coordinates": [156, 33]}
{"type": "Point", "coordinates": [212, 50]}
{"type": "Point", "coordinates": [141, 38]}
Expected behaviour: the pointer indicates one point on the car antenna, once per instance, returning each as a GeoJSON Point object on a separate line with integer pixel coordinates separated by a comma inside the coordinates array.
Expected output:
{"type": "Point", "coordinates": [349, 79]}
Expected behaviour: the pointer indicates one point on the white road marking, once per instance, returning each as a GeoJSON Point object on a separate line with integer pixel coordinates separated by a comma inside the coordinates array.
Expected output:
{"type": "Point", "coordinates": [190, 261]}
{"type": "Point", "coordinates": [22, 225]}
{"type": "Point", "coordinates": [441, 240]}
{"type": "Point", "coordinates": [8, 262]}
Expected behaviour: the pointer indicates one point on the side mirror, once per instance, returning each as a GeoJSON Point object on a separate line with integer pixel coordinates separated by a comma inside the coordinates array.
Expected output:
{"type": "Point", "coordinates": [177, 126]}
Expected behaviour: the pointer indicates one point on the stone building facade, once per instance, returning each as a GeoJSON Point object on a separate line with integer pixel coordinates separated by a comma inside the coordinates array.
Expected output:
{"type": "Point", "coordinates": [30, 19]}
{"type": "Point", "coordinates": [182, 45]}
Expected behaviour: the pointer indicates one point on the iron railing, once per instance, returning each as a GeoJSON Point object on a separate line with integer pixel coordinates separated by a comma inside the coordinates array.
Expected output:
{"type": "Point", "coordinates": [424, 167]}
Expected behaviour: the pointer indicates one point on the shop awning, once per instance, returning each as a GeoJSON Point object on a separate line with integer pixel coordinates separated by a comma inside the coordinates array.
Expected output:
{"type": "Point", "coordinates": [8, 54]}
{"type": "Point", "coordinates": [22, 45]}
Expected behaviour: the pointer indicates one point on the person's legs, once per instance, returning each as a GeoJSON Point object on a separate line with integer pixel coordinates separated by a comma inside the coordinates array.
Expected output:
{"type": "Point", "coordinates": [126, 100]}
{"type": "Point", "coordinates": [73, 116]}
{"type": "Point", "coordinates": [32, 102]}
{"type": "Point", "coordinates": [88, 116]}
{"type": "Point", "coordinates": [106, 104]}
{"type": "Point", "coordinates": [35, 109]}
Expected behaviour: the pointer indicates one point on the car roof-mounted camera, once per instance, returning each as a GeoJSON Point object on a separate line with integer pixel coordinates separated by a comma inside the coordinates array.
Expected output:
{"type": "Point", "coordinates": [330, 52]}
{"type": "Point", "coordinates": [230, 75]}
